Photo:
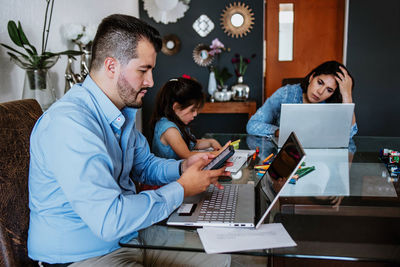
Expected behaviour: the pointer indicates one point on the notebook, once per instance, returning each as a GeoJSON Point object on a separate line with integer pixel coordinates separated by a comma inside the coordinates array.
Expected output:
{"type": "Point", "coordinates": [316, 125]}
{"type": "Point", "coordinates": [242, 205]}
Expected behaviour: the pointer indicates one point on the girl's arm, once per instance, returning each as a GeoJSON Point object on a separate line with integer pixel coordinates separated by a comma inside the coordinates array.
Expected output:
{"type": "Point", "coordinates": [173, 138]}
{"type": "Point", "coordinates": [207, 143]}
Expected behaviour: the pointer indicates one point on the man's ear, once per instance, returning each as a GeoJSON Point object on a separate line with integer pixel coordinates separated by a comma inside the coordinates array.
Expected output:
{"type": "Point", "coordinates": [111, 66]}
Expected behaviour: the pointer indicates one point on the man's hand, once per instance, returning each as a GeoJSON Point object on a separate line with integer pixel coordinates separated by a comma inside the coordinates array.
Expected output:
{"type": "Point", "coordinates": [194, 180]}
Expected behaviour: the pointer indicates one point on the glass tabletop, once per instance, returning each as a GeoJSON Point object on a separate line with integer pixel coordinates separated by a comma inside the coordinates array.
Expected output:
{"type": "Point", "coordinates": [348, 208]}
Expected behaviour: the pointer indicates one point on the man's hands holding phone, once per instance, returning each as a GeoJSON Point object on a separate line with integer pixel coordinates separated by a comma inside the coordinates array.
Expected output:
{"type": "Point", "coordinates": [194, 179]}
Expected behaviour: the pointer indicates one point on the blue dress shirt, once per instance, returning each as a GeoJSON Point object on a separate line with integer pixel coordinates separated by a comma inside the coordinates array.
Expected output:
{"type": "Point", "coordinates": [157, 147]}
{"type": "Point", "coordinates": [85, 154]}
{"type": "Point", "coordinates": [266, 120]}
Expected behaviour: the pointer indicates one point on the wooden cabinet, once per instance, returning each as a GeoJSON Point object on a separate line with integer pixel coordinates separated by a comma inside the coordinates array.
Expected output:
{"type": "Point", "coordinates": [249, 107]}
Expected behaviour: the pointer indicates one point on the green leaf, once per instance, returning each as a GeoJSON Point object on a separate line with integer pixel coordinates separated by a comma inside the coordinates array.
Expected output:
{"type": "Point", "coordinates": [13, 33]}
{"type": "Point", "coordinates": [70, 53]}
{"type": "Point", "coordinates": [22, 64]}
{"type": "Point", "coordinates": [16, 51]}
{"type": "Point", "coordinates": [24, 39]}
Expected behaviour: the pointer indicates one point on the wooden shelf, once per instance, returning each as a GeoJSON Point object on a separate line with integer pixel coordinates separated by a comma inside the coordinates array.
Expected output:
{"type": "Point", "coordinates": [249, 107]}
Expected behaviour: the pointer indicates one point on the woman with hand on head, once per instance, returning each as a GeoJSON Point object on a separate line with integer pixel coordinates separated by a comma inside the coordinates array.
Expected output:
{"type": "Point", "coordinates": [177, 104]}
{"type": "Point", "coordinates": [330, 82]}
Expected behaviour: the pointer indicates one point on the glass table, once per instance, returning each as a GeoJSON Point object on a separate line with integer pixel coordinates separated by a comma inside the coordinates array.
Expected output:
{"type": "Point", "coordinates": [348, 209]}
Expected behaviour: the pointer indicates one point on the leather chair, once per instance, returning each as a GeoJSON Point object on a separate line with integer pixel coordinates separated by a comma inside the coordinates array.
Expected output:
{"type": "Point", "coordinates": [17, 119]}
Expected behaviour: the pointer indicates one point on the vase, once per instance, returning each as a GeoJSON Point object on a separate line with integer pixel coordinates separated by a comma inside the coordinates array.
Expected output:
{"type": "Point", "coordinates": [240, 90]}
{"type": "Point", "coordinates": [212, 85]}
{"type": "Point", "coordinates": [38, 84]}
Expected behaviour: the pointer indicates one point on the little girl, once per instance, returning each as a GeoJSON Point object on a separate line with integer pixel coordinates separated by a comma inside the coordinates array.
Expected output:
{"type": "Point", "coordinates": [177, 104]}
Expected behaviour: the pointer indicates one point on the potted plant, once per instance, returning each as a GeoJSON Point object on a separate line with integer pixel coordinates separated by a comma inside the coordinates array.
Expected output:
{"type": "Point", "coordinates": [37, 83]}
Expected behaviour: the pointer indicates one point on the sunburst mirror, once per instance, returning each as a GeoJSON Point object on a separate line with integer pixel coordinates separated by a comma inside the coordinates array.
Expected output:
{"type": "Point", "coordinates": [202, 56]}
{"type": "Point", "coordinates": [237, 19]}
{"type": "Point", "coordinates": [170, 44]}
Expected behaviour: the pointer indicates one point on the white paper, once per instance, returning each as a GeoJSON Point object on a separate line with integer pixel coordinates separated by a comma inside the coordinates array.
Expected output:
{"type": "Point", "coordinates": [220, 240]}
{"type": "Point", "coordinates": [238, 159]}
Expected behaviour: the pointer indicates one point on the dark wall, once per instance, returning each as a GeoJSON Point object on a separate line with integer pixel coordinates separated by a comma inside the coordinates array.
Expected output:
{"type": "Point", "coordinates": [182, 62]}
{"type": "Point", "coordinates": [373, 57]}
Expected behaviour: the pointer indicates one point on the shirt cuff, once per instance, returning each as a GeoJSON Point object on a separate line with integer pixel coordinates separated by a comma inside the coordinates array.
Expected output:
{"type": "Point", "coordinates": [173, 194]}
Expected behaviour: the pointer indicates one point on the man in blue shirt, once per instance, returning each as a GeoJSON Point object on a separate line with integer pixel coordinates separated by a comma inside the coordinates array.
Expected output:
{"type": "Point", "coordinates": [86, 153]}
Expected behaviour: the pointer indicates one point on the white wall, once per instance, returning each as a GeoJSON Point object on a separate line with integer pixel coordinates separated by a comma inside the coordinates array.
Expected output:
{"type": "Point", "coordinates": [31, 15]}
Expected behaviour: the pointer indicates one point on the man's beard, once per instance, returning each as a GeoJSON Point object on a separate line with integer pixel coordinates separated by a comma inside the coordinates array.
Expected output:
{"type": "Point", "coordinates": [128, 94]}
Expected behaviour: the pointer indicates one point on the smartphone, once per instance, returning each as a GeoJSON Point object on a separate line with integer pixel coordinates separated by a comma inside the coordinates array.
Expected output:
{"type": "Point", "coordinates": [220, 160]}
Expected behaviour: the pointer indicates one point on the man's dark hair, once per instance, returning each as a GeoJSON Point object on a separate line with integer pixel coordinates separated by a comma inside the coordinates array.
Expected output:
{"type": "Point", "coordinates": [118, 36]}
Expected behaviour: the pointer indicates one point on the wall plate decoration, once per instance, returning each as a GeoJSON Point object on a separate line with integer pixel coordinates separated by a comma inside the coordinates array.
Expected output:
{"type": "Point", "coordinates": [203, 25]}
{"type": "Point", "coordinates": [171, 44]}
{"type": "Point", "coordinates": [165, 11]}
{"type": "Point", "coordinates": [201, 55]}
{"type": "Point", "coordinates": [237, 19]}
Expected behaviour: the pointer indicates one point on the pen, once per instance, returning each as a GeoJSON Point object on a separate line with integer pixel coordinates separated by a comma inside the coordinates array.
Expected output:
{"type": "Point", "coordinates": [263, 167]}
{"type": "Point", "coordinates": [267, 158]}
{"type": "Point", "coordinates": [256, 153]}
{"type": "Point", "coordinates": [304, 171]}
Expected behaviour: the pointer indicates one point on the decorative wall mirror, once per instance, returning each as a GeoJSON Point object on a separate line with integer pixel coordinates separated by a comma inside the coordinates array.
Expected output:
{"type": "Point", "coordinates": [237, 19]}
{"type": "Point", "coordinates": [171, 44]}
{"type": "Point", "coordinates": [166, 11]}
{"type": "Point", "coordinates": [201, 55]}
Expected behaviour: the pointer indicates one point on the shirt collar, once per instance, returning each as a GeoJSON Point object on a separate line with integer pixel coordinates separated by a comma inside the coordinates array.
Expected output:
{"type": "Point", "coordinates": [111, 112]}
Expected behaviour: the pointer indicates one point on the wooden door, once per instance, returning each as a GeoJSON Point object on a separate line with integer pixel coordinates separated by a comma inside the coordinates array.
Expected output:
{"type": "Point", "coordinates": [317, 37]}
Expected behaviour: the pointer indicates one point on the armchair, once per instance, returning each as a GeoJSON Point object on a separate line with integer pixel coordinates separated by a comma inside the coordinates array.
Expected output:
{"type": "Point", "coordinates": [17, 119]}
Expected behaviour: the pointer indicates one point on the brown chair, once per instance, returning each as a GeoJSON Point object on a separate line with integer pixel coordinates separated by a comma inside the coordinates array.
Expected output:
{"type": "Point", "coordinates": [291, 81]}
{"type": "Point", "coordinates": [17, 119]}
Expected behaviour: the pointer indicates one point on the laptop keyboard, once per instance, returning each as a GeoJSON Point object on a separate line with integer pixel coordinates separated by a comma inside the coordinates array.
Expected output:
{"type": "Point", "coordinates": [221, 205]}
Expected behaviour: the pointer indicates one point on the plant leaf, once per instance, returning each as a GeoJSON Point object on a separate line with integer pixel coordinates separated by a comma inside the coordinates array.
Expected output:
{"type": "Point", "coordinates": [24, 39]}
{"type": "Point", "coordinates": [13, 33]}
{"type": "Point", "coordinates": [70, 53]}
{"type": "Point", "coordinates": [22, 64]}
{"type": "Point", "coordinates": [16, 51]}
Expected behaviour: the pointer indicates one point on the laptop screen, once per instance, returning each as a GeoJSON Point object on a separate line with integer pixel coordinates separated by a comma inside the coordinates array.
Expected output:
{"type": "Point", "coordinates": [277, 176]}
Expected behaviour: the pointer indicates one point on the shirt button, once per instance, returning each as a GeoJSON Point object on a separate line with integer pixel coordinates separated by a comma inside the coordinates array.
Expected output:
{"type": "Point", "coordinates": [118, 119]}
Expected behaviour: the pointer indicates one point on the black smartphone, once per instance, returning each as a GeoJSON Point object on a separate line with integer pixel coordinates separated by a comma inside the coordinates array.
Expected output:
{"type": "Point", "coordinates": [220, 160]}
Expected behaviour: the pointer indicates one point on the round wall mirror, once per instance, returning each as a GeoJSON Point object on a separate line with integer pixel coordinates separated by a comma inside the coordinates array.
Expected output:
{"type": "Point", "coordinates": [170, 44]}
{"type": "Point", "coordinates": [202, 56]}
{"type": "Point", "coordinates": [237, 19]}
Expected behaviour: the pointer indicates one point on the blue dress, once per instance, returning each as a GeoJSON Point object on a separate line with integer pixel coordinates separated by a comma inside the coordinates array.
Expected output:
{"type": "Point", "coordinates": [266, 120]}
{"type": "Point", "coordinates": [158, 148]}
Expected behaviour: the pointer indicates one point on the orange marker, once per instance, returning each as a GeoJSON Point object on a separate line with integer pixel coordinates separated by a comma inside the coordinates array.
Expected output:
{"type": "Point", "coordinates": [267, 158]}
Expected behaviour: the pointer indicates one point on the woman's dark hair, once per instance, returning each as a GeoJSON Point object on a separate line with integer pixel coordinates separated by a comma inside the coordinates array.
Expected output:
{"type": "Point", "coordinates": [118, 35]}
{"type": "Point", "coordinates": [185, 92]}
{"type": "Point", "coordinates": [329, 68]}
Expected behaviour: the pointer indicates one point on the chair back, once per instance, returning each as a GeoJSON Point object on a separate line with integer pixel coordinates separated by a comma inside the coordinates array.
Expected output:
{"type": "Point", "coordinates": [17, 119]}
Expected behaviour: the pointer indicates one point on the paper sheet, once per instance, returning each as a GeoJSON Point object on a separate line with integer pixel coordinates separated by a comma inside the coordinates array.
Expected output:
{"type": "Point", "coordinates": [220, 240]}
{"type": "Point", "coordinates": [238, 159]}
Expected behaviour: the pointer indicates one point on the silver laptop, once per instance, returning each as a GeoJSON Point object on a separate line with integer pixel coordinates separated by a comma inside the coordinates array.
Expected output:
{"type": "Point", "coordinates": [316, 125]}
{"type": "Point", "coordinates": [242, 205]}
